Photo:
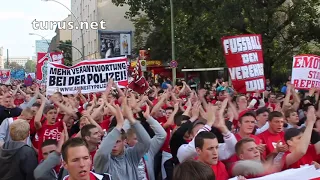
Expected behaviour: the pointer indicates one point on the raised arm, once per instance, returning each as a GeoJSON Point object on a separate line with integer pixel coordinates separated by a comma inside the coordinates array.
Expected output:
{"type": "Point", "coordinates": [37, 118]}
{"type": "Point", "coordinates": [44, 169]}
{"type": "Point", "coordinates": [66, 109]}
{"type": "Point", "coordinates": [157, 107]}
{"type": "Point", "coordinates": [97, 111]}
{"type": "Point", "coordinates": [87, 114]}
{"type": "Point", "coordinates": [143, 145]}
{"type": "Point", "coordinates": [226, 150]}
{"type": "Point", "coordinates": [170, 120]}
{"type": "Point", "coordinates": [296, 99]}
{"type": "Point", "coordinates": [187, 151]}
{"type": "Point", "coordinates": [160, 134]}
{"type": "Point", "coordinates": [103, 155]}
{"type": "Point", "coordinates": [301, 150]}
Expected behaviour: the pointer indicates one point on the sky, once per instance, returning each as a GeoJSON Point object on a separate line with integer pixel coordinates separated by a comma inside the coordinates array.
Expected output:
{"type": "Point", "coordinates": [15, 23]}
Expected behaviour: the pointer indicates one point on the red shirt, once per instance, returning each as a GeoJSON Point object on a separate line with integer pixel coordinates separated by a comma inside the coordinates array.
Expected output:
{"type": "Point", "coordinates": [235, 158]}
{"type": "Point", "coordinates": [92, 154]}
{"type": "Point", "coordinates": [166, 144]}
{"type": "Point", "coordinates": [60, 117]}
{"type": "Point", "coordinates": [33, 131]}
{"type": "Point", "coordinates": [271, 140]}
{"type": "Point", "coordinates": [220, 171]}
{"type": "Point", "coordinates": [105, 123]}
{"type": "Point", "coordinates": [92, 177]}
{"type": "Point", "coordinates": [49, 132]}
{"type": "Point", "coordinates": [272, 105]}
{"type": "Point", "coordinates": [310, 156]}
{"type": "Point", "coordinates": [17, 102]}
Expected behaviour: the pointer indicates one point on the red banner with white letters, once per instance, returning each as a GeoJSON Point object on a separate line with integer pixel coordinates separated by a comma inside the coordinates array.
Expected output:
{"type": "Point", "coordinates": [244, 58]}
{"type": "Point", "coordinates": [42, 61]}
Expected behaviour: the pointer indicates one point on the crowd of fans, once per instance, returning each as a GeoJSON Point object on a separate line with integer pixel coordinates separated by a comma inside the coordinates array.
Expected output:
{"type": "Point", "coordinates": [169, 133]}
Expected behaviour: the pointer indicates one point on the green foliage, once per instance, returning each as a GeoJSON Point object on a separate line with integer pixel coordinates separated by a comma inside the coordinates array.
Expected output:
{"type": "Point", "coordinates": [286, 28]}
{"type": "Point", "coordinates": [14, 65]}
{"type": "Point", "coordinates": [66, 47]}
{"type": "Point", "coordinates": [30, 66]}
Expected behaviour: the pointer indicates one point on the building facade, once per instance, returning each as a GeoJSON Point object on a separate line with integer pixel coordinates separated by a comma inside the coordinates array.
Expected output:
{"type": "Point", "coordinates": [21, 60]}
{"type": "Point", "coordinates": [1, 58]}
{"type": "Point", "coordinates": [61, 35]}
{"type": "Point", "coordinates": [96, 11]}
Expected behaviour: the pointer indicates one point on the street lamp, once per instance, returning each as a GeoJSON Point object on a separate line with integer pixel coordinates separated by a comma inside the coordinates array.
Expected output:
{"type": "Point", "coordinates": [34, 34]}
{"type": "Point", "coordinates": [81, 31]}
{"type": "Point", "coordinates": [173, 54]}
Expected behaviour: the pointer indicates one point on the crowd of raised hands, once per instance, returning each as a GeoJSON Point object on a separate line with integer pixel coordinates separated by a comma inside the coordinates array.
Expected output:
{"type": "Point", "coordinates": [172, 133]}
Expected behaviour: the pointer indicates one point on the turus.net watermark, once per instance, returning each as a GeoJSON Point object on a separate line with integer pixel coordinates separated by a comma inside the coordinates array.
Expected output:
{"type": "Point", "coordinates": [52, 25]}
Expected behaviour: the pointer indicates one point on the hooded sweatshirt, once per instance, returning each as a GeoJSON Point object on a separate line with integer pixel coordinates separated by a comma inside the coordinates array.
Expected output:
{"type": "Point", "coordinates": [5, 132]}
{"type": "Point", "coordinates": [17, 161]}
{"type": "Point", "coordinates": [124, 166]}
{"type": "Point", "coordinates": [46, 171]}
{"type": "Point", "coordinates": [147, 162]}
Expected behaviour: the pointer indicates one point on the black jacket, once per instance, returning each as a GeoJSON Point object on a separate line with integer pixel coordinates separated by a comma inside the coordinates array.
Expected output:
{"type": "Point", "coordinates": [9, 112]}
{"type": "Point", "coordinates": [17, 161]}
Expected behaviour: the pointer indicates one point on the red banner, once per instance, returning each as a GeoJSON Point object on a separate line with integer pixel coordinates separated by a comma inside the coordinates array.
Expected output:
{"type": "Point", "coordinates": [5, 76]}
{"type": "Point", "coordinates": [43, 59]}
{"type": "Point", "coordinates": [244, 58]}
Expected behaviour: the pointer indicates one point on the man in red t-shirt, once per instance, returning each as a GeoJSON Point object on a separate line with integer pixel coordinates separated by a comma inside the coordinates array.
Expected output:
{"type": "Point", "coordinates": [250, 163]}
{"type": "Point", "coordinates": [49, 127]}
{"type": "Point", "coordinates": [206, 144]}
{"type": "Point", "coordinates": [77, 161]}
{"type": "Point", "coordinates": [300, 151]}
{"type": "Point", "coordinates": [246, 124]}
{"type": "Point", "coordinates": [274, 136]}
{"type": "Point", "coordinates": [91, 134]}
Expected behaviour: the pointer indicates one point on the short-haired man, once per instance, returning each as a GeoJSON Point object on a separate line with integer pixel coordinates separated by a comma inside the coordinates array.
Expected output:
{"type": "Point", "coordinates": [226, 149]}
{"type": "Point", "coordinates": [274, 136]}
{"type": "Point", "coordinates": [206, 144]}
{"type": "Point", "coordinates": [247, 149]}
{"type": "Point", "coordinates": [91, 134]}
{"type": "Point", "coordinates": [46, 169]}
{"type": "Point", "coordinates": [50, 167]}
{"type": "Point", "coordinates": [292, 119]}
{"type": "Point", "coordinates": [7, 108]}
{"type": "Point", "coordinates": [300, 151]}
{"type": "Point", "coordinates": [113, 151]}
{"type": "Point", "coordinates": [193, 170]}
{"type": "Point", "coordinates": [262, 115]}
{"type": "Point", "coordinates": [246, 127]}
{"type": "Point", "coordinates": [76, 159]}
{"type": "Point", "coordinates": [17, 159]}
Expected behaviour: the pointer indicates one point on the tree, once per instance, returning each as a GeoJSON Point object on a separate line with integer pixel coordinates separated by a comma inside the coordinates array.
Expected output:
{"type": "Point", "coordinates": [287, 28]}
{"type": "Point", "coordinates": [14, 65]}
{"type": "Point", "coordinates": [66, 48]}
{"type": "Point", "coordinates": [30, 66]}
